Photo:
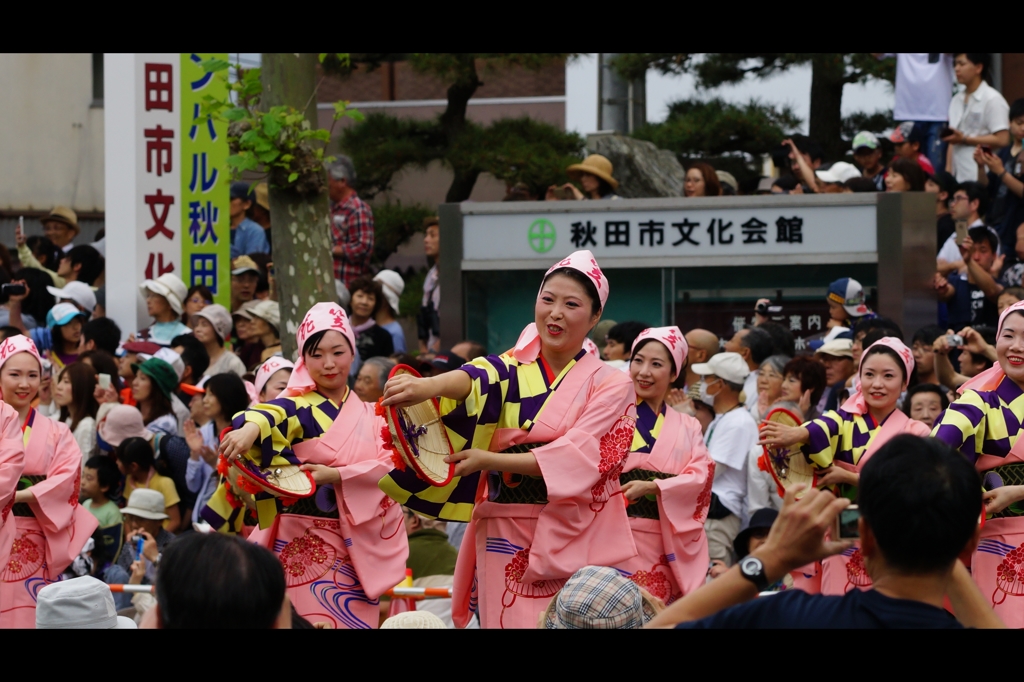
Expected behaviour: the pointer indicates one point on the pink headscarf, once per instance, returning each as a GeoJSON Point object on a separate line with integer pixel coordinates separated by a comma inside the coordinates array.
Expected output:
{"type": "Point", "coordinates": [991, 377]}
{"type": "Point", "coordinates": [671, 338]}
{"type": "Point", "coordinates": [528, 346]}
{"type": "Point", "coordinates": [321, 317]}
{"type": "Point", "coordinates": [13, 345]}
{"type": "Point", "coordinates": [591, 348]}
{"type": "Point", "coordinates": [856, 404]}
{"type": "Point", "coordinates": [269, 369]}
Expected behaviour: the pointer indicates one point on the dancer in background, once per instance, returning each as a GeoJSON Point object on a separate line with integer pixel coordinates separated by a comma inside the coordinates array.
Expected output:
{"type": "Point", "coordinates": [668, 476]}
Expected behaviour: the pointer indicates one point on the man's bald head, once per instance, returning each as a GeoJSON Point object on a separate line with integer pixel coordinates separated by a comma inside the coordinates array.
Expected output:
{"type": "Point", "coordinates": [702, 340]}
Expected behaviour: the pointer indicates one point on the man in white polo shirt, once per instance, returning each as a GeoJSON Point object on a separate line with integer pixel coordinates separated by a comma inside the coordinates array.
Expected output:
{"type": "Point", "coordinates": [978, 115]}
{"type": "Point", "coordinates": [729, 439]}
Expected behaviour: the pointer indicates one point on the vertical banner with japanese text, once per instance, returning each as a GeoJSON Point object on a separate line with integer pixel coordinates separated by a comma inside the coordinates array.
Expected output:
{"type": "Point", "coordinates": [205, 201]}
{"type": "Point", "coordinates": [158, 163]}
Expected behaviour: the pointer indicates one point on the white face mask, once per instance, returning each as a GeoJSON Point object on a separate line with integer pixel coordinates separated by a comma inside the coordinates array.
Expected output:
{"type": "Point", "coordinates": [704, 395]}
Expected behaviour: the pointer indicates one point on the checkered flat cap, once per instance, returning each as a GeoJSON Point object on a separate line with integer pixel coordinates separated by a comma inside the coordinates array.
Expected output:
{"type": "Point", "coordinates": [598, 598]}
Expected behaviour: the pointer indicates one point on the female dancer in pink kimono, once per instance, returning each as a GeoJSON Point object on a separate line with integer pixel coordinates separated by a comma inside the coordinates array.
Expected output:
{"type": "Point", "coordinates": [345, 546]}
{"type": "Point", "coordinates": [551, 426]}
{"type": "Point", "coordinates": [50, 527]}
{"type": "Point", "coordinates": [668, 477]}
{"type": "Point", "coordinates": [841, 442]}
{"type": "Point", "coordinates": [985, 425]}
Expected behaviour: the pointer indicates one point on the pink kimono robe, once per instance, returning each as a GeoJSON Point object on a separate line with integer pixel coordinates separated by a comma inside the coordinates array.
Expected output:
{"type": "Point", "coordinates": [673, 549]}
{"type": "Point", "coordinates": [515, 557]}
{"type": "Point", "coordinates": [49, 539]}
{"type": "Point", "coordinates": [336, 569]}
{"type": "Point", "coordinates": [843, 572]}
{"type": "Point", "coordinates": [12, 462]}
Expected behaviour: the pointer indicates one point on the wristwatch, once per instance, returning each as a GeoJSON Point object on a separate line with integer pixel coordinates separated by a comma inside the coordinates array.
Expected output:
{"type": "Point", "coordinates": [752, 569]}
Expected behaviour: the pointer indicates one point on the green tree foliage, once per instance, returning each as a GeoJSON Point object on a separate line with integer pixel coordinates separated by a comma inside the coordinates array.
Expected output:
{"type": "Point", "coordinates": [393, 223]}
{"type": "Point", "coordinates": [715, 127]}
{"type": "Point", "coordinates": [830, 72]}
{"type": "Point", "coordinates": [514, 150]}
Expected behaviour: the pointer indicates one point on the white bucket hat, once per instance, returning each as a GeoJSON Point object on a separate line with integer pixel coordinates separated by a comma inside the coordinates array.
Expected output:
{"type": "Point", "coordinates": [79, 604]}
{"type": "Point", "coordinates": [170, 287]}
{"type": "Point", "coordinates": [393, 285]}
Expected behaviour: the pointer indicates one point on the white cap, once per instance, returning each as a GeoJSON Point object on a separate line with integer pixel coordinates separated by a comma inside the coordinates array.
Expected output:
{"type": "Point", "coordinates": [79, 292]}
{"type": "Point", "coordinates": [393, 286]}
{"type": "Point", "coordinates": [79, 604]}
{"type": "Point", "coordinates": [168, 356]}
{"type": "Point", "coordinates": [146, 504]}
{"type": "Point", "coordinates": [413, 620]}
{"type": "Point", "coordinates": [839, 172]}
{"type": "Point", "coordinates": [729, 366]}
{"type": "Point", "coordinates": [268, 311]}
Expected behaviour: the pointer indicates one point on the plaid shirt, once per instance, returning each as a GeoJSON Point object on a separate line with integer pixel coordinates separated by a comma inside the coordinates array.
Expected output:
{"type": "Point", "coordinates": [352, 229]}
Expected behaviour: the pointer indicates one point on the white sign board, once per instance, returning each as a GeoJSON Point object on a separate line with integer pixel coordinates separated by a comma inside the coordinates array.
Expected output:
{"type": "Point", "coordinates": [142, 128]}
{"type": "Point", "coordinates": [790, 234]}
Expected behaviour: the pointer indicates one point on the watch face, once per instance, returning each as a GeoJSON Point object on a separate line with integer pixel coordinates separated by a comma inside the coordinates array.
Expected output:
{"type": "Point", "coordinates": [751, 565]}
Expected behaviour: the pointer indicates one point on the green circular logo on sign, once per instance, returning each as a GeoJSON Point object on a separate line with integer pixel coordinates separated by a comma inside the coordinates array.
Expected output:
{"type": "Point", "coordinates": [542, 235]}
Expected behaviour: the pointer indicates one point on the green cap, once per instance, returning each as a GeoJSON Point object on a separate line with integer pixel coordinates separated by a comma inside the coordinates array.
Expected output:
{"type": "Point", "coordinates": [864, 139]}
{"type": "Point", "coordinates": [162, 374]}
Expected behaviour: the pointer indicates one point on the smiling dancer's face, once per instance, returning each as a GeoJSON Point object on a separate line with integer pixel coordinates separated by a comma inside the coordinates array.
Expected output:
{"type": "Point", "coordinates": [563, 314]}
{"type": "Point", "coordinates": [1010, 347]}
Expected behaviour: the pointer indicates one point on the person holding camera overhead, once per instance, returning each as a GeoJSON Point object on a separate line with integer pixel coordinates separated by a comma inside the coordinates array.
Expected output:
{"type": "Point", "coordinates": [841, 441]}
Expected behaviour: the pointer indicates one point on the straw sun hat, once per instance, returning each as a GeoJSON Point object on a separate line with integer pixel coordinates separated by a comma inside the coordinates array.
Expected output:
{"type": "Point", "coordinates": [596, 165]}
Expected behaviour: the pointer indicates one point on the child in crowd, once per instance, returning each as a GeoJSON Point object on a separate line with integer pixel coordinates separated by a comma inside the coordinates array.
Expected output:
{"type": "Point", "coordinates": [223, 396]}
{"type": "Point", "coordinates": [60, 339]}
{"type": "Point", "coordinates": [143, 517]}
{"type": "Point", "coordinates": [925, 402]}
{"type": "Point", "coordinates": [272, 378]}
{"type": "Point", "coordinates": [100, 478]}
{"type": "Point", "coordinates": [135, 461]}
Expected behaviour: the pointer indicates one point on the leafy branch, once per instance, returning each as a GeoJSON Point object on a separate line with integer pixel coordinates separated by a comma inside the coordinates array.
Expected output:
{"type": "Point", "coordinates": [279, 141]}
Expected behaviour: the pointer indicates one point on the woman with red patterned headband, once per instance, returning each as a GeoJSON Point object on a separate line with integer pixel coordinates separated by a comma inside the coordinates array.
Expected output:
{"type": "Point", "coordinates": [50, 527]}
{"type": "Point", "coordinates": [840, 442]}
{"type": "Point", "coordinates": [344, 545]}
{"type": "Point", "coordinates": [550, 427]}
{"type": "Point", "coordinates": [668, 477]}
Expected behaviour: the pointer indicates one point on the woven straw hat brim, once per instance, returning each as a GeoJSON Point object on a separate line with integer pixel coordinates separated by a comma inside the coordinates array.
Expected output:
{"type": "Point", "coordinates": [574, 171]}
{"type": "Point", "coordinates": [57, 218]}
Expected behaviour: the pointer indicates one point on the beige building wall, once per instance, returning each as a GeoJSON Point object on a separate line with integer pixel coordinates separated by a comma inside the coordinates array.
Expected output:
{"type": "Point", "coordinates": [52, 134]}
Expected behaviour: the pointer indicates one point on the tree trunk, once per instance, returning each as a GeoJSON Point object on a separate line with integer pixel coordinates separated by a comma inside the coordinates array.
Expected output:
{"type": "Point", "coordinates": [827, 72]}
{"type": "Point", "coordinates": [453, 122]}
{"type": "Point", "coordinates": [304, 268]}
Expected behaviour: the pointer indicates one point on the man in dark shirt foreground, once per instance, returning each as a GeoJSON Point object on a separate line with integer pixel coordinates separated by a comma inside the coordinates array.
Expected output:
{"type": "Point", "coordinates": [920, 503]}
